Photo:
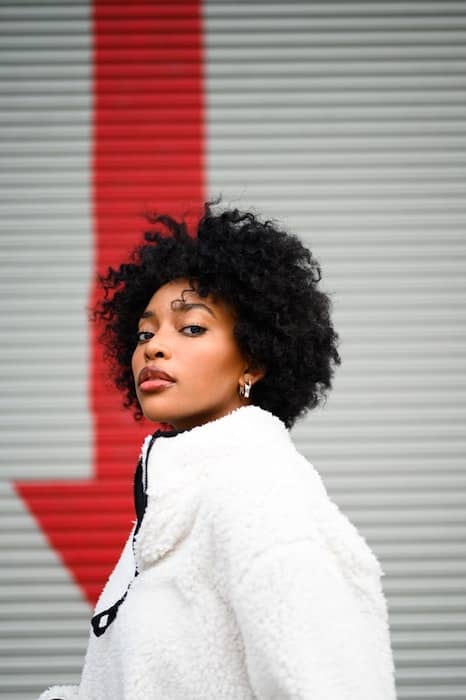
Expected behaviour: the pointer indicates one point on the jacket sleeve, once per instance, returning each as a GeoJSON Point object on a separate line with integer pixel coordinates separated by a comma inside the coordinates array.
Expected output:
{"type": "Point", "coordinates": [303, 633]}
{"type": "Point", "coordinates": [60, 692]}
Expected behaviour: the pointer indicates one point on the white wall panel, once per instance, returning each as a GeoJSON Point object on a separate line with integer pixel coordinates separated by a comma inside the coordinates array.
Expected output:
{"type": "Point", "coordinates": [46, 263]}
{"type": "Point", "coordinates": [46, 238]}
{"type": "Point", "coordinates": [345, 121]}
{"type": "Point", "coordinates": [43, 618]}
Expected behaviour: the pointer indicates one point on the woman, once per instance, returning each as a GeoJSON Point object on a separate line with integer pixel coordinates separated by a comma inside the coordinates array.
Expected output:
{"type": "Point", "coordinates": [241, 578]}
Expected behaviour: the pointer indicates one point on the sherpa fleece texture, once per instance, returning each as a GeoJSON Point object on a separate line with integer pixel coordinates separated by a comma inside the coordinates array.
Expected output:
{"type": "Point", "coordinates": [252, 585]}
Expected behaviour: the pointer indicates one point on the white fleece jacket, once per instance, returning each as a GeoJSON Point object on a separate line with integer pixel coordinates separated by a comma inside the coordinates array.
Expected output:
{"type": "Point", "coordinates": [252, 584]}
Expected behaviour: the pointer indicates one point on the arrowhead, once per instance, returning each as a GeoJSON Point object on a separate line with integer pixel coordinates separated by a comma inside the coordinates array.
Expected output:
{"type": "Point", "coordinates": [87, 523]}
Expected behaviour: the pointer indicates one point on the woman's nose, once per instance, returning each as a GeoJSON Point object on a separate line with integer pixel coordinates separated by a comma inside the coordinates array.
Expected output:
{"type": "Point", "coordinates": [156, 347]}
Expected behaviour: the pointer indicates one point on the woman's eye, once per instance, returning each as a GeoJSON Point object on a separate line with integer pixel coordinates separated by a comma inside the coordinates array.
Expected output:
{"type": "Point", "coordinates": [144, 336]}
{"type": "Point", "coordinates": [197, 330]}
{"type": "Point", "coordinates": [191, 330]}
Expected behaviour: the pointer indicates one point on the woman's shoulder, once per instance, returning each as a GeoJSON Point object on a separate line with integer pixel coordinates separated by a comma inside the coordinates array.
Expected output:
{"type": "Point", "coordinates": [265, 498]}
{"type": "Point", "coordinates": [280, 499]}
{"type": "Point", "coordinates": [267, 473]}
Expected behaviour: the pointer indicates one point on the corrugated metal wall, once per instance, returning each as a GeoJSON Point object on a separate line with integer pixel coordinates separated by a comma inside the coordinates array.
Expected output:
{"type": "Point", "coordinates": [345, 121]}
{"type": "Point", "coordinates": [46, 264]}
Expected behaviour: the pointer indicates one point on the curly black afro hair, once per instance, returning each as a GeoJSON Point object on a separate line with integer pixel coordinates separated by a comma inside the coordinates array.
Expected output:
{"type": "Point", "coordinates": [266, 275]}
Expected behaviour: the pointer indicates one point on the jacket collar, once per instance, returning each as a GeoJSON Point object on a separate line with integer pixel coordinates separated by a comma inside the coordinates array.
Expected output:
{"type": "Point", "coordinates": [179, 453]}
{"type": "Point", "coordinates": [176, 468]}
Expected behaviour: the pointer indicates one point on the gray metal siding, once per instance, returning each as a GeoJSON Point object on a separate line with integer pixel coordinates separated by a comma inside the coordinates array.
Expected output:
{"type": "Point", "coordinates": [43, 617]}
{"type": "Point", "coordinates": [46, 263]}
{"type": "Point", "coordinates": [345, 121]}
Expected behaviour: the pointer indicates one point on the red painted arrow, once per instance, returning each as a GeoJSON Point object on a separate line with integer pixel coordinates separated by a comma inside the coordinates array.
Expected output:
{"type": "Point", "coordinates": [148, 151]}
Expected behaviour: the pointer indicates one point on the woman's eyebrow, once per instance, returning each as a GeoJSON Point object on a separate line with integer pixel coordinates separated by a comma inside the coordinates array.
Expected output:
{"type": "Point", "coordinates": [181, 307]}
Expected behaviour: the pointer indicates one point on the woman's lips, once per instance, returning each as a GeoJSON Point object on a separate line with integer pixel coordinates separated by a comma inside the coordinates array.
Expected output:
{"type": "Point", "coordinates": [155, 384]}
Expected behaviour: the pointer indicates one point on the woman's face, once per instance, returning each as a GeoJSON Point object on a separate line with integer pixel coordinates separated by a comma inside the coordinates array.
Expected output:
{"type": "Point", "coordinates": [190, 338]}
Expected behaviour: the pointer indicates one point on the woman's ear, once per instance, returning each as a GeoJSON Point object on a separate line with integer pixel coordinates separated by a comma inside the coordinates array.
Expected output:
{"type": "Point", "coordinates": [255, 372]}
